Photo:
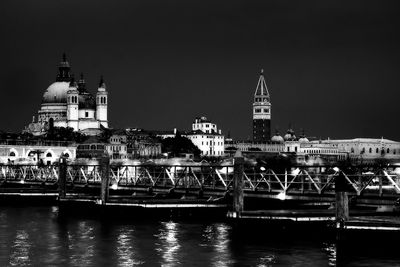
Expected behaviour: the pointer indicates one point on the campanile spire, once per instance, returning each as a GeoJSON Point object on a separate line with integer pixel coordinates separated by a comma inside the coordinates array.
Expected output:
{"type": "Point", "coordinates": [261, 111]}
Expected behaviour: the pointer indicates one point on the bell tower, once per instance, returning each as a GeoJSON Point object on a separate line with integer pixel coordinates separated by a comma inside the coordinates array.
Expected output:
{"type": "Point", "coordinates": [261, 112]}
{"type": "Point", "coordinates": [73, 106]}
{"type": "Point", "coordinates": [101, 103]}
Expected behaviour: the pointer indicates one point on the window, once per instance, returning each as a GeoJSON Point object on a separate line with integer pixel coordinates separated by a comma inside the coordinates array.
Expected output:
{"type": "Point", "coordinates": [258, 110]}
{"type": "Point", "coordinates": [388, 151]}
{"type": "Point", "coordinates": [48, 155]}
{"type": "Point", "coordinates": [370, 150]}
{"type": "Point", "coordinates": [12, 154]}
{"type": "Point", "coordinates": [86, 114]}
{"type": "Point", "coordinates": [377, 150]}
{"type": "Point", "coordinates": [352, 150]}
{"type": "Point", "coordinates": [266, 110]}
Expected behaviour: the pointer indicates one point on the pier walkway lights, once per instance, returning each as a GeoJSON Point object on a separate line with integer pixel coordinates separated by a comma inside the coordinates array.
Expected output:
{"type": "Point", "coordinates": [281, 196]}
{"type": "Point", "coordinates": [114, 186]}
{"type": "Point", "coordinates": [296, 172]}
{"type": "Point", "coordinates": [336, 169]}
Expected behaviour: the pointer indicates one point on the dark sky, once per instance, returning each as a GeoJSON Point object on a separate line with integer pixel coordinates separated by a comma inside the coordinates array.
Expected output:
{"type": "Point", "coordinates": [332, 67]}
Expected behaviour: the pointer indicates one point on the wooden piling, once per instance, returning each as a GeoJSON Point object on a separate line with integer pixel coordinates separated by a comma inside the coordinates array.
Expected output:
{"type": "Point", "coordinates": [238, 202]}
{"type": "Point", "coordinates": [342, 199]}
{"type": "Point", "coordinates": [62, 178]}
{"type": "Point", "coordinates": [105, 178]}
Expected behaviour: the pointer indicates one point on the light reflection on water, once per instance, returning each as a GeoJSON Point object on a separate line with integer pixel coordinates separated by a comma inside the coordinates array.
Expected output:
{"type": "Point", "coordinates": [126, 248]}
{"type": "Point", "coordinates": [221, 242]}
{"type": "Point", "coordinates": [81, 244]}
{"type": "Point", "coordinates": [168, 245]}
{"type": "Point", "coordinates": [33, 236]}
{"type": "Point", "coordinates": [20, 249]}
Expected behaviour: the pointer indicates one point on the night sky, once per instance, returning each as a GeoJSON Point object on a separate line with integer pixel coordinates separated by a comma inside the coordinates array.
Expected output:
{"type": "Point", "coordinates": [332, 67]}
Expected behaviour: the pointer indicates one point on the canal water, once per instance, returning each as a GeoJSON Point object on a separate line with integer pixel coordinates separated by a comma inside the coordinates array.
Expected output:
{"type": "Point", "coordinates": [39, 236]}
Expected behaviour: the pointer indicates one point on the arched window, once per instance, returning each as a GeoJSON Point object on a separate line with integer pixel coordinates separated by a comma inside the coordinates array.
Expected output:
{"type": "Point", "coordinates": [66, 155]}
{"type": "Point", "coordinates": [370, 150]}
{"type": "Point", "coordinates": [12, 154]}
{"type": "Point", "coordinates": [377, 150]}
{"type": "Point", "coordinates": [352, 150]}
{"type": "Point", "coordinates": [49, 155]}
{"type": "Point", "coordinates": [93, 147]}
{"type": "Point", "coordinates": [388, 151]}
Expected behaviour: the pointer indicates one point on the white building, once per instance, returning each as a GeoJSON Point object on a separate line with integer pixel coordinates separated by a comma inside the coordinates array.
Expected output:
{"type": "Point", "coordinates": [206, 136]}
{"type": "Point", "coordinates": [66, 103]}
{"type": "Point", "coordinates": [45, 152]}
{"type": "Point", "coordinates": [367, 149]}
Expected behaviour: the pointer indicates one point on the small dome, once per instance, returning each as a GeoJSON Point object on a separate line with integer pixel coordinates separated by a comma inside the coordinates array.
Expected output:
{"type": "Point", "coordinates": [303, 140]}
{"type": "Point", "coordinates": [56, 93]}
{"type": "Point", "coordinates": [290, 136]}
{"type": "Point", "coordinates": [277, 139]}
{"type": "Point", "coordinates": [287, 136]}
{"type": "Point", "coordinates": [86, 101]}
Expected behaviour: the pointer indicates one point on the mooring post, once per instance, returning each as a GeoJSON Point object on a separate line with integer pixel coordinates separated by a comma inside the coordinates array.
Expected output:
{"type": "Point", "coordinates": [342, 199]}
{"type": "Point", "coordinates": [105, 178]}
{"type": "Point", "coordinates": [62, 177]}
{"type": "Point", "coordinates": [238, 166]}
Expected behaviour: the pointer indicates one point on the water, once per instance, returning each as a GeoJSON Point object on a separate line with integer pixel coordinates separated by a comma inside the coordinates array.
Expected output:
{"type": "Point", "coordinates": [38, 236]}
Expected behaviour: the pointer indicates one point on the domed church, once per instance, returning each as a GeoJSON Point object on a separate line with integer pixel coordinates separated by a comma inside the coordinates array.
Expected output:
{"type": "Point", "coordinates": [67, 103]}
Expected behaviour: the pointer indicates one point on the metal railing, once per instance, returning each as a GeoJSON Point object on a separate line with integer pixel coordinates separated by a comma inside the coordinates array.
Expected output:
{"type": "Point", "coordinates": [295, 180]}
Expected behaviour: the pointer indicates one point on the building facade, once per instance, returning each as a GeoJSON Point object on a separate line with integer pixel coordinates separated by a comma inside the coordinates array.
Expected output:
{"type": "Point", "coordinates": [367, 150]}
{"type": "Point", "coordinates": [261, 112]}
{"type": "Point", "coordinates": [41, 152]}
{"type": "Point", "coordinates": [67, 103]}
{"type": "Point", "coordinates": [206, 136]}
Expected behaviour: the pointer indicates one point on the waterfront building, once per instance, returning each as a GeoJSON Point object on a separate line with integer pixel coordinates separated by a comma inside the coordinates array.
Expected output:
{"type": "Point", "coordinates": [204, 134]}
{"type": "Point", "coordinates": [35, 152]}
{"type": "Point", "coordinates": [207, 137]}
{"type": "Point", "coordinates": [367, 150]}
{"type": "Point", "coordinates": [261, 112]}
{"type": "Point", "coordinates": [66, 103]}
{"type": "Point", "coordinates": [92, 148]}
{"type": "Point", "coordinates": [117, 146]}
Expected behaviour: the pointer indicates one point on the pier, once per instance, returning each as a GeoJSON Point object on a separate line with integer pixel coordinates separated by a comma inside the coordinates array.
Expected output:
{"type": "Point", "coordinates": [364, 198]}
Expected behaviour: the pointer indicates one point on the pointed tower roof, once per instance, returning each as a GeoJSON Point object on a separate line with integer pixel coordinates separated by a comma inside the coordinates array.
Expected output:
{"type": "Point", "coordinates": [102, 84]}
{"type": "Point", "coordinates": [73, 83]}
{"type": "Point", "coordinates": [262, 89]}
{"type": "Point", "coordinates": [81, 84]}
{"type": "Point", "coordinates": [64, 69]}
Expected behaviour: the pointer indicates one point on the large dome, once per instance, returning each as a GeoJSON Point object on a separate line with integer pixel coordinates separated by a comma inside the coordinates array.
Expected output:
{"type": "Point", "coordinates": [56, 93]}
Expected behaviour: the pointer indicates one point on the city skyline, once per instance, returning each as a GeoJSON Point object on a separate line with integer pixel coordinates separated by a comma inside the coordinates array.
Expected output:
{"type": "Point", "coordinates": [330, 67]}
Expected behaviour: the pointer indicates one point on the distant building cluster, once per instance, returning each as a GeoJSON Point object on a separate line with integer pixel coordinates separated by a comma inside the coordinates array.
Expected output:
{"type": "Point", "coordinates": [68, 103]}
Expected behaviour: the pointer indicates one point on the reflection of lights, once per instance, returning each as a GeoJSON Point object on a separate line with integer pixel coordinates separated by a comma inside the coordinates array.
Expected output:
{"type": "Point", "coordinates": [126, 249]}
{"type": "Point", "coordinates": [22, 182]}
{"type": "Point", "coordinates": [222, 258]}
{"type": "Point", "coordinates": [336, 169]}
{"type": "Point", "coordinates": [81, 244]}
{"type": "Point", "coordinates": [114, 187]}
{"type": "Point", "coordinates": [296, 172]}
{"type": "Point", "coordinates": [262, 168]}
{"type": "Point", "coordinates": [169, 243]}
{"type": "Point", "coordinates": [21, 249]}
{"type": "Point", "coordinates": [281, 196]}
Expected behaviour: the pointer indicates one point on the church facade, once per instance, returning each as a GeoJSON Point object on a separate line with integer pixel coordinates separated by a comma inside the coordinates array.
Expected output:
{"type": "Point", "coordinates": [67, 103]}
